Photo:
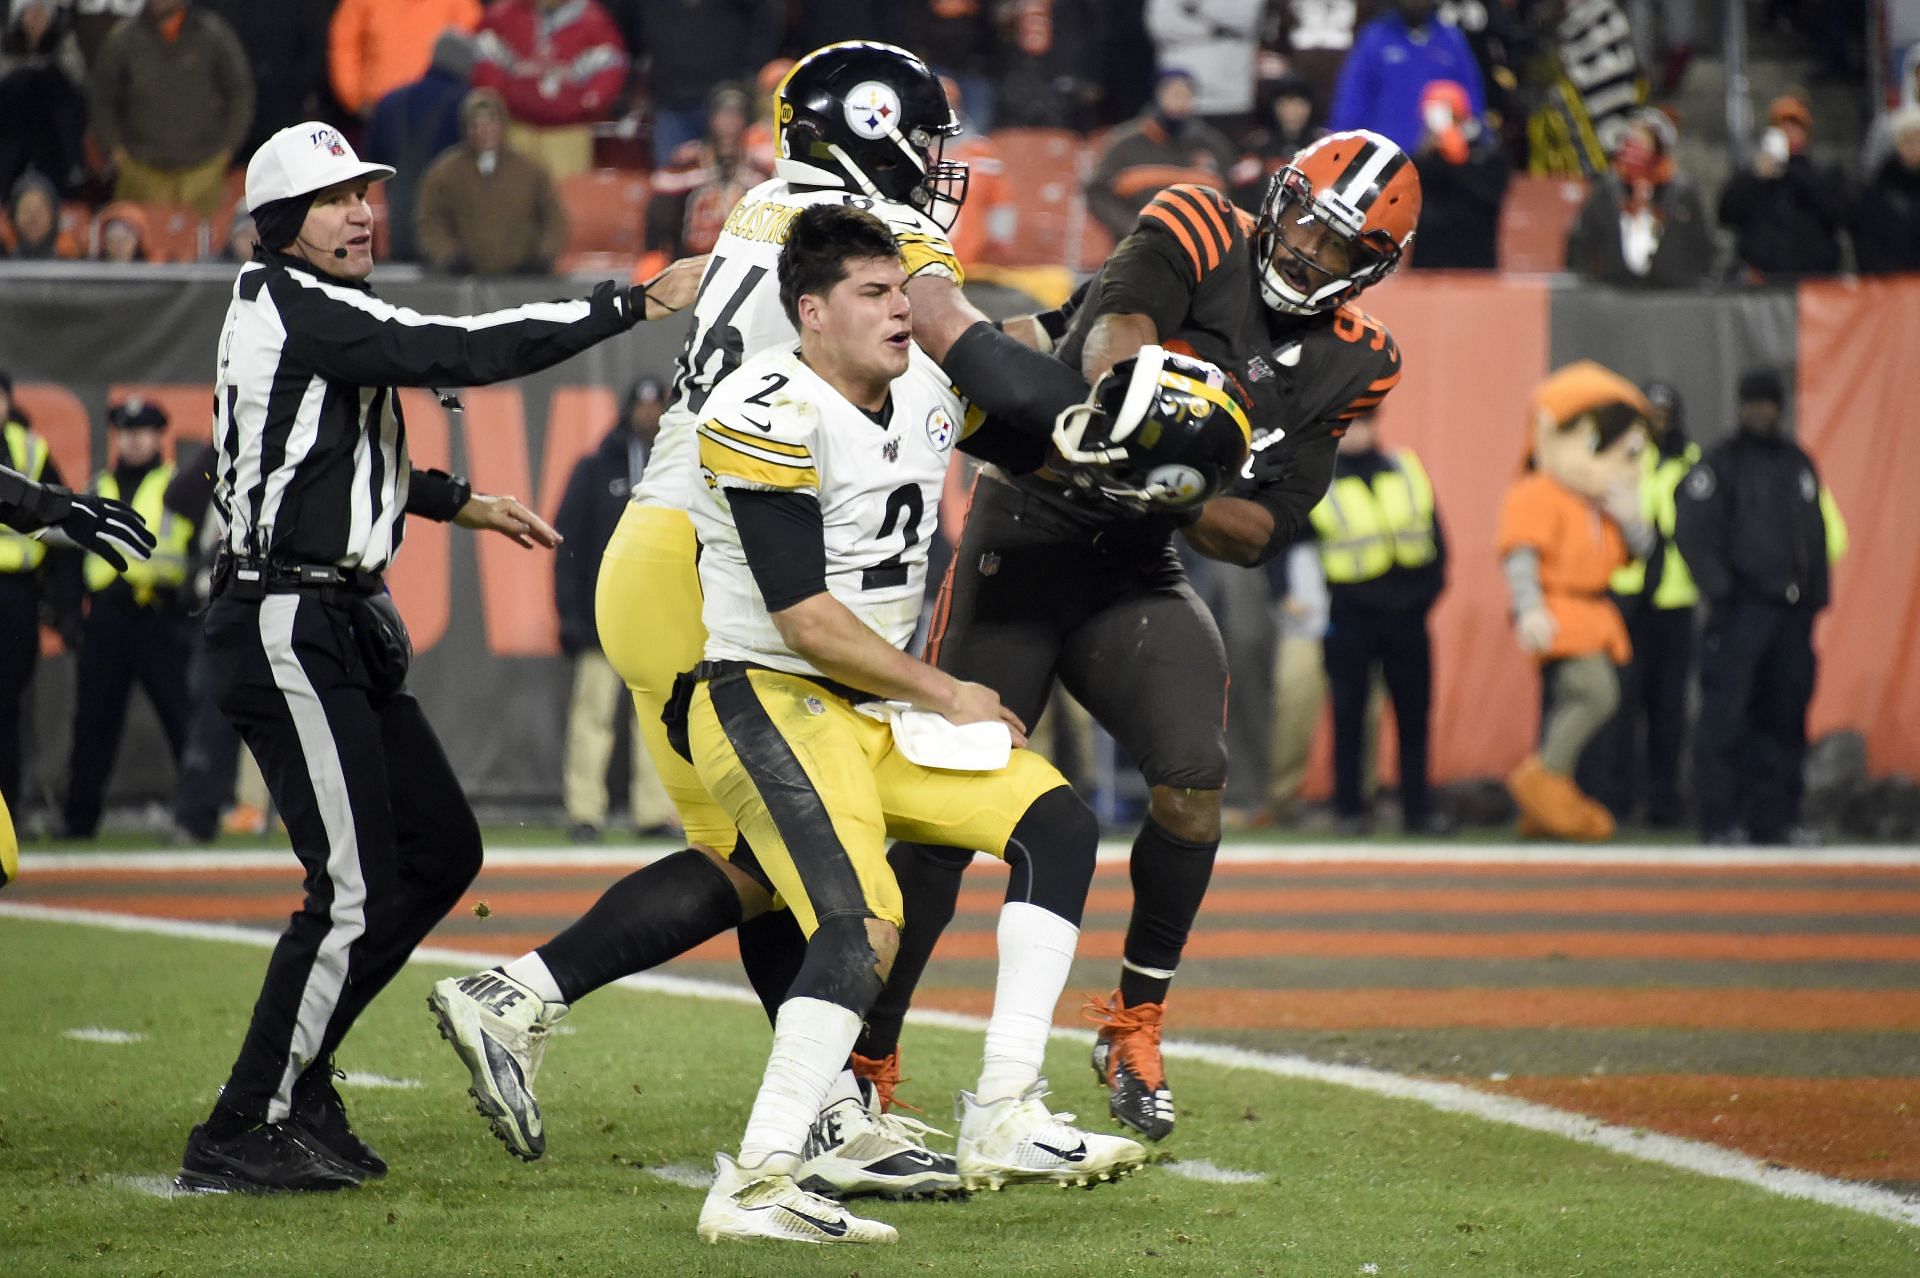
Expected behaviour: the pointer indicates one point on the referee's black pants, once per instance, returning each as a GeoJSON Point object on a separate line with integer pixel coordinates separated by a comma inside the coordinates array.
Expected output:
{"type": "Point", "coordinates": [380, 825]}
{"type": "Point", "coordinates": [19, 651]}
{"type": "Point", "coordinates": [1395, 640]}
{"type": "Point", "coordinates": [124, 642]}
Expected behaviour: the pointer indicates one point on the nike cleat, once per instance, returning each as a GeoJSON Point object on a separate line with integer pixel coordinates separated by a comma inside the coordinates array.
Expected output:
{"type": "Point", "coordinates": [1126, 1059]}
{"type": "Point", "coordinates": [321, 1116]}
{"type": "Point", "coordinates": [499, 1027]}
{"type": "Point", "coordinates": [747, 1203]}
{"type": "Point", "coordinates": [855, 1150]}
{"type": "Point", "coordinates": [1019, 1141]}
{"type": "Point", "coordinates": [273, 1158]}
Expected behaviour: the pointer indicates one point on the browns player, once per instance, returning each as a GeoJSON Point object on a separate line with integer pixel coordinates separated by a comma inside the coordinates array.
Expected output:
{"type": "Point", "coordinates": [1056, 578]}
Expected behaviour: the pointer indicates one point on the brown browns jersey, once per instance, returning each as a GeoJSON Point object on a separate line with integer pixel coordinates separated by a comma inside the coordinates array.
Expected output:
{"type": "Point", "coordinates": [1190, 266]}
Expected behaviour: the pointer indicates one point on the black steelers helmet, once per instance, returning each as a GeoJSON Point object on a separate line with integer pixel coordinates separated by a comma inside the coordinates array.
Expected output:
{"type": "Point", "coordinates": [1160, 431]}
{"type": "Point", "coordinates": [870, 118]}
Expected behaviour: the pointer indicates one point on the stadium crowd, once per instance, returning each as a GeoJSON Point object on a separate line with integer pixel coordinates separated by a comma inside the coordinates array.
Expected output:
{"type": "Point", "coordinates": [528, 103]}
{"type": "Point", "coordinates": [503, 120]}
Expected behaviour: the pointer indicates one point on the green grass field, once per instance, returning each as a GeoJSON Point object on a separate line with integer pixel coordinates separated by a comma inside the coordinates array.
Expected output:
{"type": "Point", "coordinates": [1353, 1184]}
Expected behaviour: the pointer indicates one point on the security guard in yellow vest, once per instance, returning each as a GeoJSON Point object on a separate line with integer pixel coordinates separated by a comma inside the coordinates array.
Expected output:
{"type": "Point", "coordinates": [136, 625]}
{"type": "Point", "coordinates": [23, 589]}
{"type": "Point", "coordinates": [1385, 560]}
{"type": "Point", "coordinates": [1656, 595]}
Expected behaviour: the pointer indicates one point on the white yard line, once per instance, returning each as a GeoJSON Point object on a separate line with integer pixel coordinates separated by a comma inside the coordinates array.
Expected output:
{"type": "Point", "coordinates": [1111, 851]}
{"type": "Point", "coordinates": [100, 1034]}
{"type": "Point", "coordinates": [1670, 1151]}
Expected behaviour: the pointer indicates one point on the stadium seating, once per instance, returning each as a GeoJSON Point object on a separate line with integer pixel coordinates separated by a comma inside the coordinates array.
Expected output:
{"type": "Point", "coordinates": [173, 232]}
{"type": "Point", "coordinates": [606, 219]}
{"type": "Point", "coordinates": [1534, 221]}
{"type": "Point", "coordinates": [1043, 170]}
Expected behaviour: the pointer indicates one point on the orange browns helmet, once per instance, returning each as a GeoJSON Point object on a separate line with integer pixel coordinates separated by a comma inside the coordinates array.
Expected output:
{"type": "Point", "coordinates": [1335, 221]}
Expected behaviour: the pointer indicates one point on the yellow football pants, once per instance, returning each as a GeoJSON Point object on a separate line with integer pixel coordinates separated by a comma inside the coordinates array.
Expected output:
{"type": "Point", "coordinates": [647, 606]}
{"type": "Point", "coordinates": [818, 789]}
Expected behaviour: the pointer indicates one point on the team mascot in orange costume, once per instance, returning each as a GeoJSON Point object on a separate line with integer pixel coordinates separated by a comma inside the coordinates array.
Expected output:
{"type": "Point", "coordinates": [1564, 528]}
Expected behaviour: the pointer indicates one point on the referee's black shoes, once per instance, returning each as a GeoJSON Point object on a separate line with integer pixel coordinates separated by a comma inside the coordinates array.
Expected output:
{"type": "Point", "coordinates": [322, 1117]}
{"type": "Point", "coordinates": [270, 1159]}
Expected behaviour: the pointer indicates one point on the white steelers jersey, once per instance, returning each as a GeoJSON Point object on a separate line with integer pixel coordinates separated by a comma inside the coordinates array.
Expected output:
{"type": "Point", "coordinates": [775, 426]}
{"type": "Point", "coordinates": [738, 313]}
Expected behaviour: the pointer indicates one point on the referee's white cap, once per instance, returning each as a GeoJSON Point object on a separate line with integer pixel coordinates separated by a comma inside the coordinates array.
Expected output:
{"type": "Point", "coordinates": [303, 158]}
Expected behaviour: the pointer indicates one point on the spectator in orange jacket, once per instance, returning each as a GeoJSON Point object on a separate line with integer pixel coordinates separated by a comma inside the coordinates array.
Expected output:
{"type": "Point", "coordinates": [375, 46]}
{"type": "Point", "coordinates": [1564, 529]}
{"type": "Point", "coordinates": [559, 65]}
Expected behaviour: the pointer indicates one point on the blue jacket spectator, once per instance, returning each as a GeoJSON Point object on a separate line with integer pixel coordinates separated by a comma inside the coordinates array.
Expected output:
{"type": "Point", "coordinates": [1394, 58]}
{"type": "Point", "coordinates": [411, 126]}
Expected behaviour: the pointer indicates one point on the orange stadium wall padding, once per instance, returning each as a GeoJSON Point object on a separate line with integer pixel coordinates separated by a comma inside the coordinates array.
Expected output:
{"type": "Point", "coordinates": [1859, 415]}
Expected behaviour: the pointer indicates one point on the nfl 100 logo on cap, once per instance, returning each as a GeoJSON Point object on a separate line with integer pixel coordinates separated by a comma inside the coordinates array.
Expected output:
{"type": "Point", "coordinates": [873, 110]}
{"type": "Point", "coordinates": [302, 159]}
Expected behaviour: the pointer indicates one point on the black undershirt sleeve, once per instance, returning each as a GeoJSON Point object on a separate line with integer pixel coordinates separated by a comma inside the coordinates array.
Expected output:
{"type": "Point", "coordinates": [785, 540]}
{"type": "Point", "coordinates": [1021, 391]}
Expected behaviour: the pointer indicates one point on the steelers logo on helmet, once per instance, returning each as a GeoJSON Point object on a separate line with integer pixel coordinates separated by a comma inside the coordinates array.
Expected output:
{"type": "Point", "coordinates": [1160, 431]}
{"type": "Point", "coordinates": [873, 110]}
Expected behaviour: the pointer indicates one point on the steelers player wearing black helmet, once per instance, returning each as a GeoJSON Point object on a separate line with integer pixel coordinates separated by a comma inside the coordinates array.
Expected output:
{"type": "Point", "coordinates": [862, 125]}
{"type": "Point", "coordinates": [1069, 572]}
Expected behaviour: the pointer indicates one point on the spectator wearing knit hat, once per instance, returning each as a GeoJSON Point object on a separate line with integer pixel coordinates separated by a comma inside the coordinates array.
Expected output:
{"type": "Point", "coordinates": [1784, 208]}
{"type": "Point", "coordinates": [1644, 222]}
{"type": "Point", "coordinates": [1164, 145]}
{"type": "Point", "coordinates": [33, 211]}
{"type": "Point", "coordinates": [172, 100]}
{"type": "Point", "coordinates": [1463, 179]}
{"type": "Point", "coordinates": [485, 209]}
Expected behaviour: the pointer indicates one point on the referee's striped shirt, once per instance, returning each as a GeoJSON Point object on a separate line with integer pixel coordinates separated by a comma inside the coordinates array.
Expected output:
{"type": "Point", "coordinates": [312, 463]}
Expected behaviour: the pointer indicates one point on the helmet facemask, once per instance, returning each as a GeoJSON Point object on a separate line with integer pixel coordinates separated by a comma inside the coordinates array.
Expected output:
{"type": "Point", "coordinates": [1120, 442]}
{"type": "Point", "coordinates": [1289, 216]}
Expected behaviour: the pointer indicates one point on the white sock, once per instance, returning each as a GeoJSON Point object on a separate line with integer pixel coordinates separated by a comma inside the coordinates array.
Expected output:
{"type": "Point", "coordinates": [1036, 951]}
{"type": "Point", "coordinates": [811, 1039]}
{"type": "Point", "coordinates": [531, 971]}
{"type": "Point", "coordinates": [846, 1086]}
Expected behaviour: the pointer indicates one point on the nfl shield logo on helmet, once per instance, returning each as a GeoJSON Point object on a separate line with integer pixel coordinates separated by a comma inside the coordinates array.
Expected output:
{"type": "Point", "coordinates": [873, 110]}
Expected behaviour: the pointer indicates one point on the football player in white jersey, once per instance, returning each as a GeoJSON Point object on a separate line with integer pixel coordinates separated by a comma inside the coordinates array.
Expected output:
{"type": "Point", "coordinates": [809, 723]}
{"type": "Point", "coordinates": [862, 125]}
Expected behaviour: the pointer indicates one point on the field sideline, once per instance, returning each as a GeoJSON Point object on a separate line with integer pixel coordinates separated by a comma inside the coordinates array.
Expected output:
{"type": "Point", "coordinates": [1391, 955]}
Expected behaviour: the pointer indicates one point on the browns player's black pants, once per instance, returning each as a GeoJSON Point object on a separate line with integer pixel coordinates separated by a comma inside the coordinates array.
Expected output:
{"type": "Point", "coordinates": [376, 817]}
{"type": "Point", "coordinates": [1653, 707]}
{"type": "Point", "coordinates": [1757, 672]}
{"type": "Point", "coordinates": [124, 643]}
{"type": "Point", "coordinates": [1394, 640]}
{"type": "Point", "coordinates": [1029, 599]}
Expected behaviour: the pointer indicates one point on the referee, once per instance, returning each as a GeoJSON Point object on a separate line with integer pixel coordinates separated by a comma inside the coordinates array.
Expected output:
{"type": "Point", "coordinates": [306, 652]}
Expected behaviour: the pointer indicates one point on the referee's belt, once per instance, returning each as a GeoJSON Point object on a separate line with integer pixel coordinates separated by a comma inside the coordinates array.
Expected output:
{"type": "Point", "coordinates": [256, 578]}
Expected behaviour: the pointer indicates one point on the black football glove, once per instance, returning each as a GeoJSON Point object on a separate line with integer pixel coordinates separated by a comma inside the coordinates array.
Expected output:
{"type": "Point", "coordinates": [110, 529]}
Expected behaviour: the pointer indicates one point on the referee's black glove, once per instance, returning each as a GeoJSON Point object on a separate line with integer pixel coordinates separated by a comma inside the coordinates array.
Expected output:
{"type": "Point", "coordinates": [110, 529]}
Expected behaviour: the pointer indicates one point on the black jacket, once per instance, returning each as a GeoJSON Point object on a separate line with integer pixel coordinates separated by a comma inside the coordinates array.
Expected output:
{"type": "Point", "coordinates": [596, 497]}
{"type": "Point", "coordinates": [1685, 254]}
{"type": "Point", "coordinates": [1789, 225]}
{"type": "Point", "coordinates": [1886, 222]}
{"type": "Point", "coordinates": [1750, 524]}
{"type": "Point", "coordinates": [1460, 212]}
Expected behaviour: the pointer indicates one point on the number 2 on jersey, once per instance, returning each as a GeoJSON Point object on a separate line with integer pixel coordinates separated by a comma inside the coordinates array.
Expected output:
{"type": "Point", "coordinates": [905, 505]}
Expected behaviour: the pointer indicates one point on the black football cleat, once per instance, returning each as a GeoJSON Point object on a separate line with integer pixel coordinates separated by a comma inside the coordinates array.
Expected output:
{"type": "Point", "coordinates": [321, 1116]}
{"type": "Point", "coordinates": [1126, 1059]}
{"type": "Point", "coordinates": [273, 1158]}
